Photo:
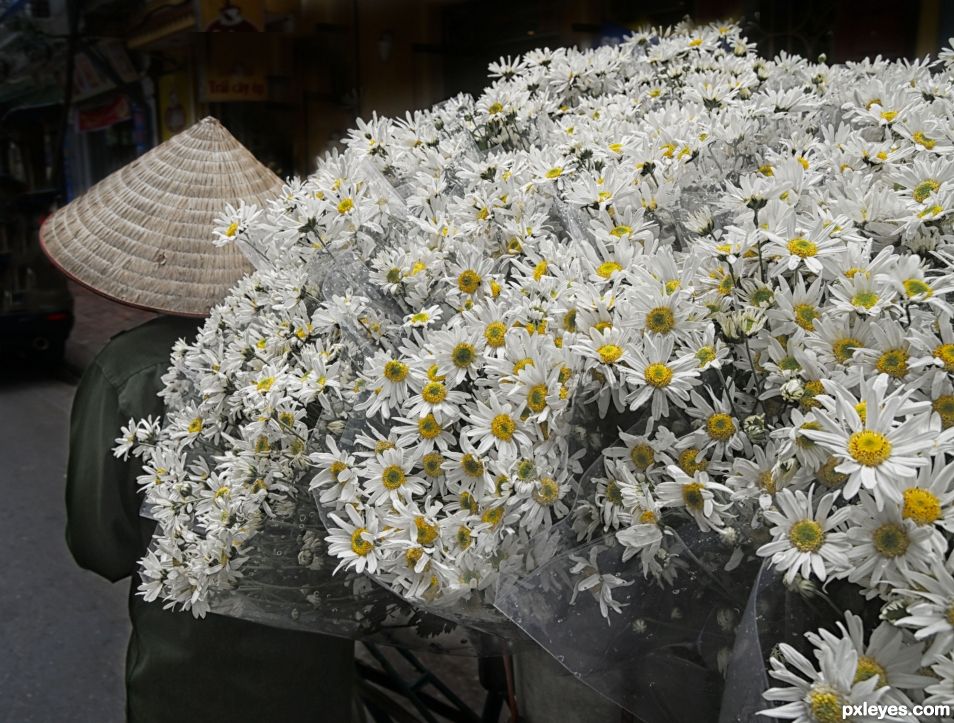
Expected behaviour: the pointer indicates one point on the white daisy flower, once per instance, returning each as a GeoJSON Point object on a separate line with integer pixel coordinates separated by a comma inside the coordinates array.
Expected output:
{"type": "Point", "coordinates": [696, 494]}
{"type": "Point", "coordinates": [355, 543]}
{"type": "Point", "coordinates": [806, 539]}
{"type": "Point", "coordinates": [885, 547]}
{"type": "Point", "coordinates": [879, 450]}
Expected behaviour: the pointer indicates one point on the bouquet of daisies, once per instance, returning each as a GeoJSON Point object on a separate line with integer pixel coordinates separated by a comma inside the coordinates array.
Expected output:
{"type": "Point", "coordinates": [658, 325]}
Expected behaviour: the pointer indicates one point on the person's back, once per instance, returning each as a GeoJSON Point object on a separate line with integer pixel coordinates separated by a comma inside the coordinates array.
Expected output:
{"type": "Point", "coordinates": [179, 668]}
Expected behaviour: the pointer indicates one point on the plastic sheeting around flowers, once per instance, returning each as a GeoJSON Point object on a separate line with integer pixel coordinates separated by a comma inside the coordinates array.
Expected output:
{"type": "Point", "coordinates": [289, 582]}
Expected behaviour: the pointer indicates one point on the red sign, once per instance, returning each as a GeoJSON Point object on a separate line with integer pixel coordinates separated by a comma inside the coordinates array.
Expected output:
{"type": "Point", "coordinates": [103, 116]}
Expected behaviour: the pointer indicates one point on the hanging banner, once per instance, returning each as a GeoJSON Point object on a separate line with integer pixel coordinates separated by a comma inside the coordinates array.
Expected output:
{"type": "Point", "coordinates": [232, 16]}
{"type": "Point", "coordinates": [90, 78]}
{"type": "Point", "coordinates": [103, 116]}
{"type": "Point", "coordinates": [236, 69]}
{"type": "Point", "coordinates": [176, 107]}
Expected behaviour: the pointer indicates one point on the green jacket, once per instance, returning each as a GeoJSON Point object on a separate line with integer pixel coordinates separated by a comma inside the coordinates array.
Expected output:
{"type": "Point", "coordinates": [179, 668]}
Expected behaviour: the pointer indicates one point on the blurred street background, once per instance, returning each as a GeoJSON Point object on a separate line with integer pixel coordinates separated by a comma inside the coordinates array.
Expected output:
{"type": "Point", "coordinates": [86, 86]}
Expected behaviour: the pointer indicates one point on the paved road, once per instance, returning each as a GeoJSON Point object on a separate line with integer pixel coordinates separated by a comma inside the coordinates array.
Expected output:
{"type": "Point", "coordinates": [63, 631]}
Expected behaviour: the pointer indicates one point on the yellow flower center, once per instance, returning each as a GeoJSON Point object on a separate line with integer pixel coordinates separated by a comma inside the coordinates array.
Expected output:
{"type": "Point", "coordinates": [554, 172]}
{"type": "Point", "coordinates": [806, 536]}
{"type": "Point", "coordinates": [606, 269]}
{"type": "Point", "coordinates": [894, 363]}
{"type": "Point", "coordinates": [802, 247]}
{"type": "Point", "coordinates": [265, 384]}
{"type": "Point", "coordinates": [943, 406]}
{"type": "Point", "coordinates": [413, 556]}
{"type": "Point", "coordinates": [359, 545]}
{"type": "Point", "coordinates": [195, 426]}
{"type": "Point", "coordinates": [232, 229]}
{"type": "Point", "coordinates": [869, 448]}
{"type": "Point", "coordinates": [660, 320]}
{"type": "Point", "coordinates": [547, 491]}
{"type": "Point", "coordinates": [521, 364]}
{"type": "Point", "coordinates": [945, 352]}
{"type": "Point", "coordinates": [827, 475]}
{"type": "Point", "coordinates": [924, 140]}
{"type": "Point", "coordinates": [862, 409]}
{"type": "Point", "coordinates": [426, 532]}
{"type": "Point", "coordinates": [336, 468]}
{"type": "Point", "coordinates": [472, 466]}
{"type": "Point", "coordinates": [392, 477]}
{"type": "Point", "coordinates": [469, 281]}
{"type": "Point", "coordinates": [495, 108]}
{"type": "Point", "coordinates": [648, 517]}
{"type": "Point", "coordinates": [890, 540]}
{"type": "Point", "coordinates": [889, 115]}
{"type": "Point", "coordinates": [502, 427]}
{"type": "Point", "coordinates": [463, 355]}
{"type": "Point", "coordinates": [537, 398]}
{"type": "Point", "coordinates": [705, 355]}
{"type": "Point", "coordinates": [767, 481]}
{"type": "Point", "coordinates": [432, 462]}
{"type": "Point", "coordinates": [493, 516]}
{"type": "Point", "coordinates": [865, 299]}
{"type": "Point", "coordinates": [614, 494]}
{"type": "Point", "coordinates": [526, 469]}
{"type": "Point", "coordinates": [720, 427]}
{"type": "Point", "coordinates": [917, 287]}
{"type": "Point", "coordinates": [495, 333]}
{"type": "Point", "coordinates": [434, 392]}
{"type": "Point", "coordinates": [688, 463]}
{"type": "Point", "coordinates": [924, 189]}
{"type": "Point", "coordinates": [569, 320]}
{"type": "Point", "coordinates": [383, 445]}
{"type": "Point", "coordinates": [642, 456]}
{"type": "Point", "coordinates": [463, 537]}
{"type": "Point", "coordinates": [658, 375]}
{"type": "Point", "coordinates": [345, 205]}
{"type": "Point", "coordinates": [801, 440]}
{"type": "Point", "coordinates": [395, 371]}
{"type": "Point", "coordinates": [692, 495]}
{"type": "Point", "coordinates": [421, 317]}
{"type": "Point", "coordinates": [921, 506]}
{"type": "Point", "coordinates": [805, 315]}
{"type": "Point", "coordinates": [610, 353]}
{"type": "Point", "coordinates": [825, 706]}
{"type": "Point", "coordinates": [429, 428]}
{"type": "Point", "coordinates": [620, 231]}
{"type": "Point", "coordinates": [843, 349]}
{"type": "Point", "coordinates": [812, 388]}
{"type": "Point", "coordinates": [725, 285]}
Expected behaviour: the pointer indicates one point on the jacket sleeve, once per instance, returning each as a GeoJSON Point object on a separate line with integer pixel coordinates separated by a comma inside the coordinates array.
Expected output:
{"type": "Point", "coordinates": [102, 504]}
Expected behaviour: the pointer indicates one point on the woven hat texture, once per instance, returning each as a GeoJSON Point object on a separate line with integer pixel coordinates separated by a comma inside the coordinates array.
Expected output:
{"type": "Point", "coordinates": [143, 235]}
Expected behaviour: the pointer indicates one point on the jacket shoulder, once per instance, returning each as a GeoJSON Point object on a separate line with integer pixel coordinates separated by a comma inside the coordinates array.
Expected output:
{"type": "Point", "coordinates": [145, 346]}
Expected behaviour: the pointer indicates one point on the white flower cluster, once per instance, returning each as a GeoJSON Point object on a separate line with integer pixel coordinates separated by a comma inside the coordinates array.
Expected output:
{"type": "Point", "coordinates": [727, 277]}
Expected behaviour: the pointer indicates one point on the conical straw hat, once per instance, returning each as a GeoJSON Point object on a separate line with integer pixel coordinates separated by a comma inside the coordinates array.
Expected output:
{"type": "Point", "coordinates": [143, 235]}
